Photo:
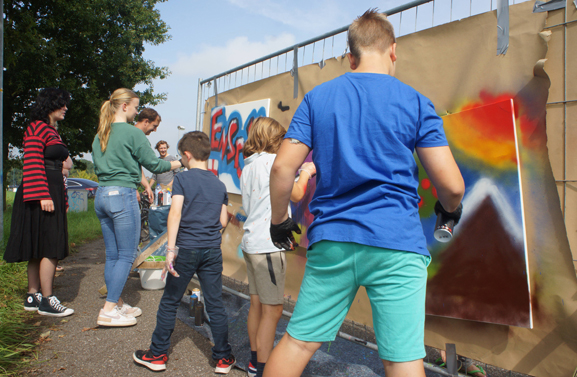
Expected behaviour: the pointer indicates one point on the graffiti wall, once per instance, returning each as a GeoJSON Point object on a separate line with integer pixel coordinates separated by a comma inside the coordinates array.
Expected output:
{"type": "Point", "coordinates": [485, 263]}
{"type": "Point", "coordinates": [229, 126]}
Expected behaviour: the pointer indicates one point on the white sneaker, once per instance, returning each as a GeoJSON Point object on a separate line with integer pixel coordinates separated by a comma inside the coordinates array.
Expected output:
{"type": "Point", "coordinates": [129, 311]}
{"type": "Point", "coordinates": [114, 318]}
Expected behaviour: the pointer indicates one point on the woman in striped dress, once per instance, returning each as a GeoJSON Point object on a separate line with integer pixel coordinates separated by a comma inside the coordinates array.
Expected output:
{"type": "Point", "coordinates": [39, 231]}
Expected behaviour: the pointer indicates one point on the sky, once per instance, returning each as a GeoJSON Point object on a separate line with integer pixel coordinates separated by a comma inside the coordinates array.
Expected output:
{"type": "Point", "coordinates": [210, 37]}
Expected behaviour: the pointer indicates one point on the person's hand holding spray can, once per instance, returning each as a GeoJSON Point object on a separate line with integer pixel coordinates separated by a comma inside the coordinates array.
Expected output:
{"type": "Point", "coordinates": [282, 234]}
{"type": "Point", "coordinates": [171, 254]}
{"type": "Point", "coordinates": [446, 222]}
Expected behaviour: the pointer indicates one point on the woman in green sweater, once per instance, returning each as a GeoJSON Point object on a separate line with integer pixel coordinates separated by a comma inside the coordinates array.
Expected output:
{"type": "Point", "coordinates": [119, 150]}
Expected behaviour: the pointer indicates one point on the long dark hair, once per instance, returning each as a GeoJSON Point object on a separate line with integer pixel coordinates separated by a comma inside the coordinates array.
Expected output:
{"type": "Point", "coordinates": [48, 100]}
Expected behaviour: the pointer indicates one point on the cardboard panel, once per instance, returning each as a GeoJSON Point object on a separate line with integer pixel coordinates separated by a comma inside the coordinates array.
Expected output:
{"type": "Point", "coordinates": [556, 139]}
{"type": "Point", "coordinates": [555, 62]}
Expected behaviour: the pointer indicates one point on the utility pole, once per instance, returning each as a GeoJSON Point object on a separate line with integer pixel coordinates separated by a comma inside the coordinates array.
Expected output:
{"type": "Point", "coordinates": [1, 122]}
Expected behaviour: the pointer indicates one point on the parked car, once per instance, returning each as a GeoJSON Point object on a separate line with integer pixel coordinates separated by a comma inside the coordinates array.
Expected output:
{"type": "Point", "coordinates": [83, 184]}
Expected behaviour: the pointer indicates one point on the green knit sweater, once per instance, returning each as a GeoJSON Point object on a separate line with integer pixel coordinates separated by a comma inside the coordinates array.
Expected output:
{"type": "Point", "coordinates": [128, 149]}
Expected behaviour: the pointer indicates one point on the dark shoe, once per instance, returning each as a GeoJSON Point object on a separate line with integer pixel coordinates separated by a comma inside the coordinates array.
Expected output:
{"type": "Point", "coordinates": [51, 306]}
{"type": "Point", "coordinates": [224, 365]}
{"type": "Point", "coordinates": [146, 358]}
{"type": "Point", "coordinates": [32, 301]}
{"type": "Point", "coordinates": [251, 370]}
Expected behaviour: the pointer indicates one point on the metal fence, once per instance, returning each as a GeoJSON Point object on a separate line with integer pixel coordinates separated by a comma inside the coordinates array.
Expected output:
{"type": "Point", "coordinates": [409, 18]}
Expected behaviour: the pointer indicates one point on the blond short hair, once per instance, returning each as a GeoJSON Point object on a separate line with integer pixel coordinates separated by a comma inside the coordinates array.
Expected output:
{"type": "Point", "coordinates": [369, 32]}
{"type": "Point", "coordinates": [265, 135]}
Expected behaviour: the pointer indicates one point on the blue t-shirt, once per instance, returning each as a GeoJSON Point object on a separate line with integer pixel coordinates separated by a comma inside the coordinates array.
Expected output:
{"type": "Point", "coordinates": [204, 194]}
{"type": "Point", "coordinates": [363, 129]}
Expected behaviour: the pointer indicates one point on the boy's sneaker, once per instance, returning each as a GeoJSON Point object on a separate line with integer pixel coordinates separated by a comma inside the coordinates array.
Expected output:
{"type": "Point", "coordinates": [251, 370]}
{"type": "Point", "coordinates": [52, 307]}
{"type": "Point", "coordinates": [224, 365]}
{"type": "Point", "coordinates": [129, 311]}
{"type": "Point", "coordinates": [146, 358]}
{"type": "Point", "coordinates": [32, 301]}
{"type": "Point", "coordinates": [114, 318]}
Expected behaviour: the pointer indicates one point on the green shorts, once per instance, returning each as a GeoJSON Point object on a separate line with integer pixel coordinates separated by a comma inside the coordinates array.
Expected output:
{"type": "Point", "coordinates": [395, 282]}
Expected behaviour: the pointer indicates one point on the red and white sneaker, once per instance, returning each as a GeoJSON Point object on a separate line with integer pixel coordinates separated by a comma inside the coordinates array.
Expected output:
{"type": "Point", "coordinates": [251, 370]}
{"type": "Point", "coordinates": [146, 358]}
{"type": "Point", "coordinates": [224, 365]}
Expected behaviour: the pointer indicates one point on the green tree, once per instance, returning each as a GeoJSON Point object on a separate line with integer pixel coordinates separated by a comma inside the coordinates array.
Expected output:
{"type": "Point", "coordinates": [14, 177]}
{"type": "Point", "coordinates": [82, 164]}
{"type": "Point", "coordinates": [88, 47]}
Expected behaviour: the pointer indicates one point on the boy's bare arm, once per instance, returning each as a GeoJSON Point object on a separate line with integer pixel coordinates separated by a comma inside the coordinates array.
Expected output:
{"type": "Point", "coordinates": [299, 190]}
{"type": "Point", "coordinates": [173, 221]}
{"type": "Point", "coordinates": [224, 216]}
{"type": "Point", "coordinates": [172, 225]}
{"type": "Point", "coordinates": [289, 159]}
{"type": "Point", "coordinates": [444, 174]}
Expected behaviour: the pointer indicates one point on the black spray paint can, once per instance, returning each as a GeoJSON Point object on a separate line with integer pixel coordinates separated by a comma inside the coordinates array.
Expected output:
{"type": "Point", "coordinates": [444, 228]}
{"type": "Point", "coordinates": [193, 303]}
{"type": "Point", "coordinates": [198, 313]}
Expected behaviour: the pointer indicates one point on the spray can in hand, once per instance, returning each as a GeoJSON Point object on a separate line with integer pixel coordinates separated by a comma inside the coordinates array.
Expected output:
{"type": "Point", "coordinates": [446, 222]}
{"type": "Point", "coordinates": [444, 228]}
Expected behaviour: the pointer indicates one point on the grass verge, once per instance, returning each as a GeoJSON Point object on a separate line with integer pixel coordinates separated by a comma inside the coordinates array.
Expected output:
{"type": "Point", "coordinates": [18, 336]}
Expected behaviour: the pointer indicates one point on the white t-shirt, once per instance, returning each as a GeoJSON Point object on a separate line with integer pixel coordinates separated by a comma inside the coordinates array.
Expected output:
{"type": "Point", "coordinates": [255, 189]}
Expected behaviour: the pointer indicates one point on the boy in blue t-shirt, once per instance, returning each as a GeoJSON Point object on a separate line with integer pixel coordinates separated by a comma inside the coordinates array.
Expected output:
{"type": "Point", "coordinates": [363, 128]}
{"type": "Point", "coordinates": [197, 215]}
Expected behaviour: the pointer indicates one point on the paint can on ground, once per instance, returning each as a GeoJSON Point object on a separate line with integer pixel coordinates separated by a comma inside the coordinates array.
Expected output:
{"type": "Point", "coordinates": [198, 313]}
{"type": "Point", "coordinates": [193, 302]}
{"type": "Point", "coordinates": [444, 228]}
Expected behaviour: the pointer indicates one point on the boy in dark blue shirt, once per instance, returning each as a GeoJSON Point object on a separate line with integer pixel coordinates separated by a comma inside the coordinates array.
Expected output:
{"type": "Point", "coordinates": [197, 215]}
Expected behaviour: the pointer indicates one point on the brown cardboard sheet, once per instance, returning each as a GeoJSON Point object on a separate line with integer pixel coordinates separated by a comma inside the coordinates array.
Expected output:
{"type": "Point", "coordinates": [455, 65]}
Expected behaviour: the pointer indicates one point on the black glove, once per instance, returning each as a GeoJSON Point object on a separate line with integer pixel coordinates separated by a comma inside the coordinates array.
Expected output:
{"type": "Point", "coordinates": [282, 234]}
{"type": "Point", "coordinates": [455, 215]}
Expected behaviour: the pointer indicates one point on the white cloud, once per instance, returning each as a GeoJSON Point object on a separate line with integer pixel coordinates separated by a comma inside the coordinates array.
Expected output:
{"type": "Point", "coordinates": [212, 60]}
{"type": "Point", "coordinates": [318, 17]}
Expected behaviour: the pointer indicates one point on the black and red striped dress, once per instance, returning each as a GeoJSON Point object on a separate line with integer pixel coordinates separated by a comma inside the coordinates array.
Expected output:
{"type": "Point", "coordinates": [36, 233]}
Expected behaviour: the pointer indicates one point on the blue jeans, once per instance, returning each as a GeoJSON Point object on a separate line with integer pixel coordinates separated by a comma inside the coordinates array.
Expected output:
{"type": "Point", "coordinates": [117, 210]}
{"type": "Point", "coordinates": [207, 264]}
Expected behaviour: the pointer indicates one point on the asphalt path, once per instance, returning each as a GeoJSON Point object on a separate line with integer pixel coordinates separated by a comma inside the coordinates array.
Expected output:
{"type": "Point", "coordinates": [76, 346]}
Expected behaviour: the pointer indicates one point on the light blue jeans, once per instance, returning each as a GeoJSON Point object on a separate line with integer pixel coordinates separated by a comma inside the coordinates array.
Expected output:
{"type": "Point", "coordinates": [117, 210]}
